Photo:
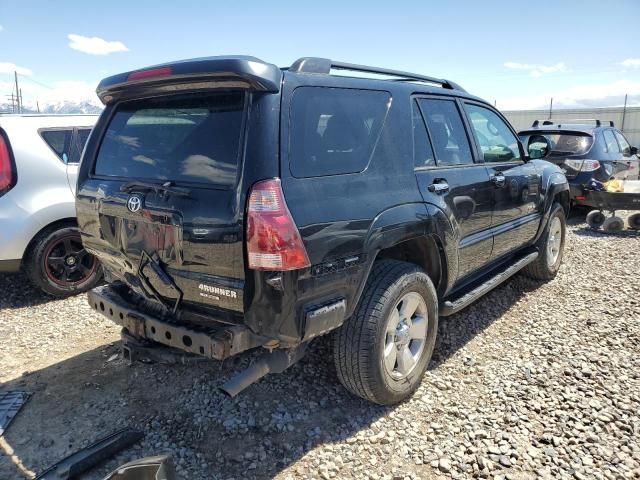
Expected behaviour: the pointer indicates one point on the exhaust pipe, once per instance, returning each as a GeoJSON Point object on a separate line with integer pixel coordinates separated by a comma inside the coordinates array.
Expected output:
{"type": "Point", "coordinates": [275, 362]}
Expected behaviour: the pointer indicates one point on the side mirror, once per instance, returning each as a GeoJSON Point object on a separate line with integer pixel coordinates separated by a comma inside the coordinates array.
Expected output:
{"type": "Point", "coordinates": [539, 146]}
{"type": "Point", "coordinates": [633, 151]}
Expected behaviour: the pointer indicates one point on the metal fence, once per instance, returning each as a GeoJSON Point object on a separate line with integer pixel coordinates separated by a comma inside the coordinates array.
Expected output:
{"type": "Point", "coordinates": [626, 119]}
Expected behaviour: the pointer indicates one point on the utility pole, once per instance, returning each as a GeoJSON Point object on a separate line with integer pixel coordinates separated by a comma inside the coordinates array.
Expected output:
{"type": "Point", "coordinates": [624, 112]}
{"type": "Point", "coordinates": [15, 76]}
{"type": "Point", "coordinates": [21, 103]}
{"type": "Point", "coordinates": [551, 108]}
{"type": "Point", "coordinates": [38, 105]}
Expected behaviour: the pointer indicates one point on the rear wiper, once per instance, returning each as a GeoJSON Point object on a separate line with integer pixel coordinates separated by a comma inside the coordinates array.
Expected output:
{"type": "Point", "coordinates": [166, 187]}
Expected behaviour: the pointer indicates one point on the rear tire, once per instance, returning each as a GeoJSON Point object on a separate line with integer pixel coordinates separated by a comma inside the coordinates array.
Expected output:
{"type": "Point", "coordinates": [634, 221]}
{"type": "Point", "coordinates": [58, 264]}
{"type": "Point", "coordinates": [595, 219]}
{"type": "Point", "coordinates": [551, 247]}
{"type": "Point", "coordinates": [613, 224]}
{"type": "Point", "coordinates": [382, 351]}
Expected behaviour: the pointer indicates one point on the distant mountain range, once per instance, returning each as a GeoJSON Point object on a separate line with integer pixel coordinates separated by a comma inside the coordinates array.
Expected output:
{"type": "Point", "coordinates": [63, 106]}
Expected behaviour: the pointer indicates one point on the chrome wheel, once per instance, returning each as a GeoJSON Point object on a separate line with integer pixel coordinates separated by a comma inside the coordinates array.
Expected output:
{"type": "Point", "coordinates": [406, 335]}
{"type": "Point", "coordinates": [554, 242]}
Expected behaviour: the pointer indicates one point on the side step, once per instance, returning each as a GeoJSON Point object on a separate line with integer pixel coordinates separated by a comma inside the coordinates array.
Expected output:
{"type": "Point", "coordinates": [450, 307]}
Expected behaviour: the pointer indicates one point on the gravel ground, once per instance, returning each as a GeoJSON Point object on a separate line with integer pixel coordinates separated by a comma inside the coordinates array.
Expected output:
{"type": "Point", "coordinates": [533, 381]}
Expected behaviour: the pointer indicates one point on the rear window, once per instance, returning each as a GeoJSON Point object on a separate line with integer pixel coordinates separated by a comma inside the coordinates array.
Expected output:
{"type": "Point", "coordinates": [334, 130]}
{"type": "Point", "coordinates": [561, 144]}
{"type": "Point", "coordinates": [194, 139]}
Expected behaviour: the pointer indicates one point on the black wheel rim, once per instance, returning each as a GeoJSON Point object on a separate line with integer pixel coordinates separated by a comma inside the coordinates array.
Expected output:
{"type": "Point", "coordinates": [67, 263]}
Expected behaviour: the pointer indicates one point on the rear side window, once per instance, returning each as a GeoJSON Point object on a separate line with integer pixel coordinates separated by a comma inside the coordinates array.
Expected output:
{"type": "Point", "coordinates": [59, 141]}
{"type": "Point", "coordinates": [610, 142]}
{"type": "Point", "coordinates": [423, 152]}
{"type": "Point", "coordinates": [187, 138]}
{"type": "Point", "coordinates": [447, 131]}
{"type": "Point", "coordinates": [624, 145]}
{"type": "Point", "coordinates": [334, 131]}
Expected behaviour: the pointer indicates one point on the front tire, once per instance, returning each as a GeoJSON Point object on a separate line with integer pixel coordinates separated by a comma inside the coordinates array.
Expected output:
{"type": "Point", "coordinates": [550, 247]}
{"type": "Point", "coordinates": [382, 351]}
{"type": "Point", "coordinates": [58, 264]}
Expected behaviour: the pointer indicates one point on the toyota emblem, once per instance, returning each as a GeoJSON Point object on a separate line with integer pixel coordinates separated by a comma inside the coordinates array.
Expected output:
{"type": "Point", "coordinates": [134, 203]}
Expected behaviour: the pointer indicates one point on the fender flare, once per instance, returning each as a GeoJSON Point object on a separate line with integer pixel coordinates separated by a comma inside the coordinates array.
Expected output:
{"type": "Point", "coordinates": [399, 224]}
{"type": "Point", "coordinates": [555, 184]}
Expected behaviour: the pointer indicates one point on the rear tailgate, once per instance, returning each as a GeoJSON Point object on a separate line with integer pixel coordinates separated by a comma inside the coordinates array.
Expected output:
{"type": "Point", "coordinates": [159, 204]}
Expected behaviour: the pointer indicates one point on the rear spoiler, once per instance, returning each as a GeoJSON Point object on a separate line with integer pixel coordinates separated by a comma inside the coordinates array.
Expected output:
{"type": "Point", "coordinates": [191, 75]}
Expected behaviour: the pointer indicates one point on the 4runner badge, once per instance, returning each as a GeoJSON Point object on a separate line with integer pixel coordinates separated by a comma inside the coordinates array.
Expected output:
{"type": "Point", "coordinates": [212, 292]}
{"type": "Point", "coordinates": [134, 203]}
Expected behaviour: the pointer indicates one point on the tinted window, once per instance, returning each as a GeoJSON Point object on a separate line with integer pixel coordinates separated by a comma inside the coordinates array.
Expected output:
{"type": "Point", "coordinates": [624, 145]}
{"type": "Point", "coordinates": [447, 132]}
{"type": "Point", "coordinates": [183, 138]}
{"type": "Point", "coordinates": [333, 130]}
{"type": "Point", "coordinates": [610, 142]}
{"type": "Point", "coordinates": [497, 142]}
{"type": "Point", "coordinates": [59, 141]}
{"type": "Point", "coordinates": [81, 139]}
{"type": "Point", "coordinates": [423, 152]}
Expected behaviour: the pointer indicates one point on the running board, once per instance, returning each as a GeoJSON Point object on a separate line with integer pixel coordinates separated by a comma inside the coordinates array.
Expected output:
{"type": "Point", "coordinates": [450, 307]}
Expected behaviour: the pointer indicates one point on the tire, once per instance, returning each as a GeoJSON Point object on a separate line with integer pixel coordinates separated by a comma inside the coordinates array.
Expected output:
{"type": "Point", "coordinates": [551, 248]}
{"type": "Point", "coordinates": [634, 221]}
{"type": "Point", "coordinates": [613, 224]}
{"type": "Point", "coordinates": [57, 263]}
{"type": "Point", "coordinates": [595, 219]}
{"type": "Point", "coordinates": [363, 348]}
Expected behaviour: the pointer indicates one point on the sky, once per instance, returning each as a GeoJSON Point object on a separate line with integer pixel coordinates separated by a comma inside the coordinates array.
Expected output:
{"type": "Point", "coordinates": [515, 53]}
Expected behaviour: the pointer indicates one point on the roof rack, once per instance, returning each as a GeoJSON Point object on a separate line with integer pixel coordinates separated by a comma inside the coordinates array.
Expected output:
{"type": "Point", "coordinates": [573, 121]}
{"type": "Point", "coordinates": [325, 65]}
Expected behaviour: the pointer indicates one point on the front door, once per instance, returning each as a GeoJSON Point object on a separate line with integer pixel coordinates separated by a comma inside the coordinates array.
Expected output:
{"type": "Point", "coordinates": [515, 183]}
{"type": "Point", "coordinates": [449, 178]}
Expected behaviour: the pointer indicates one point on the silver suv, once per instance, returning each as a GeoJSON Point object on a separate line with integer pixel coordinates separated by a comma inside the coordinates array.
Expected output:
{"type": "Point", "coordinates": [39, 158]}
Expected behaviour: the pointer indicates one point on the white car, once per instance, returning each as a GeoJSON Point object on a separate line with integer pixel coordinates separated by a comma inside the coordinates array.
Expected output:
{"type": "Point", "coordinates": [39, 159]}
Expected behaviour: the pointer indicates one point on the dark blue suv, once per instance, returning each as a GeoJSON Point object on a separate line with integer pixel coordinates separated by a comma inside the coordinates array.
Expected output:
{"type": "Point", "coordinates": [584, 151]}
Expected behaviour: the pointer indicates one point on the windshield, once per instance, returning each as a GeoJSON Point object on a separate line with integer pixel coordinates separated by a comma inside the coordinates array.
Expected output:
{"type": "Point", "coordinates": [560, 144]}
{"type": "Point", "coordinates": [194, 139]}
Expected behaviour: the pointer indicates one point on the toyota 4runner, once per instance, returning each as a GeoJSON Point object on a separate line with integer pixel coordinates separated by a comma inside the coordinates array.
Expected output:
{"type": "Point", "coordinates": [235, 205]}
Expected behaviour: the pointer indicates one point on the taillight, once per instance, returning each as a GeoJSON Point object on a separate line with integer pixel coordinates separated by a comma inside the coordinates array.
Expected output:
{"type": "Point", "coordinates": [7, 173]}
{"type": "Point", "coordinates": [150, 73]}
{"type": "Point", "coordinates": [273, 240]}
{"type": "Point", "coordinates": [583, 165]}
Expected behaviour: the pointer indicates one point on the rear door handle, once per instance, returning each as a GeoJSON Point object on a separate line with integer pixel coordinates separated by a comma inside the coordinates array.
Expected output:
{"type": "Point", "coordinates": [499, 180]}
{"type": "Point", "coordinates": [439, 187]}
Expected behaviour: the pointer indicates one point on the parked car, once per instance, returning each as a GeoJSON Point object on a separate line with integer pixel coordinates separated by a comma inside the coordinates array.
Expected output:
{"type": "Point", "coordinates": [235, 205]}
{"type": "Point", "coordinates": [584, 150]}
{"type": "Point", "coordinates": [39, 157]}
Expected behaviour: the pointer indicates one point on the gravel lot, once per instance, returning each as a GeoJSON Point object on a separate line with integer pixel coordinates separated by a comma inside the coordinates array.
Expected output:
{"type": "Point", "coordinates": [533, 381]}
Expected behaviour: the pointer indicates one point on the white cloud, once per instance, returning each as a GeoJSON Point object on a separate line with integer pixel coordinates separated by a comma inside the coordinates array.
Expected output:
{"type": "Point", "coordinates": [631, 63]}
{"type": "Point", "coordinates": [8, 67]}
{"type": "Point", "coordinates": [586, 95]}
{"type": "Point", "coordinates": [536, 70]}
{"type": "Point", "coordinates": [95, 45]}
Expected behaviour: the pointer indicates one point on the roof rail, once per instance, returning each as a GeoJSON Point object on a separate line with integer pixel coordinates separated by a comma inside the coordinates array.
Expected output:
{"type": "Point", "coordinates": [325, 65]}
{"type": "Point", "coordinates": [573, 121]}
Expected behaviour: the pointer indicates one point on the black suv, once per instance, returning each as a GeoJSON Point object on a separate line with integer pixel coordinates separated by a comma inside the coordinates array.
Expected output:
{"type": "Point", "coordinates": [585, 150]}
{"type": "Point", "coordinates": [235, 204]}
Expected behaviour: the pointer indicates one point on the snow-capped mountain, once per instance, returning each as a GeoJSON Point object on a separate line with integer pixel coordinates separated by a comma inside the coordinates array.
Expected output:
{"type": "Point", "coordinates": [60, 107]}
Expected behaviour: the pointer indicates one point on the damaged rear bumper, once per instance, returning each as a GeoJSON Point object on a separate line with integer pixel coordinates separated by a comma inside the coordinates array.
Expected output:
{"type": "Point", "coordinates": [217, 343]}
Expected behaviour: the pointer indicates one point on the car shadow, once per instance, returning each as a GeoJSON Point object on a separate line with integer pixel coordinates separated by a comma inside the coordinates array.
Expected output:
{"type": "Point", "coordinates": [264, 430]}
{"type": "Point", "coordinates": [16, 291]}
